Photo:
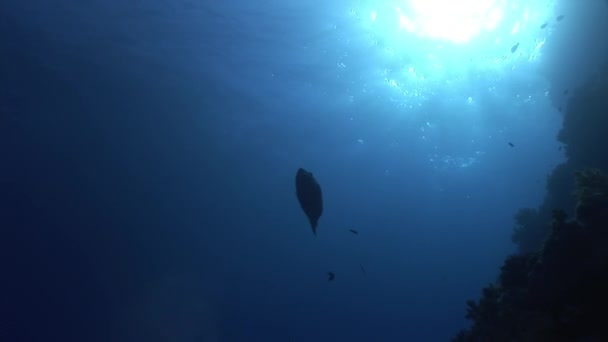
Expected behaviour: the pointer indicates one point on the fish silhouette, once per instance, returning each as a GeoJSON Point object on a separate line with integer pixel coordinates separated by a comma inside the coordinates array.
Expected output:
{"type": "Point", "coordinates": [363, 270]}
{"type": "Point", "coordinates": [514, 48]}
{"type": "Point", "coordinates": [310, 197]}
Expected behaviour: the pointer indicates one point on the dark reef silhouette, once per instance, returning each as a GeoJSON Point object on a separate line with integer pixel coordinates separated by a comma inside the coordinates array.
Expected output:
{"type": "Point", "coordinates": [555, 287]}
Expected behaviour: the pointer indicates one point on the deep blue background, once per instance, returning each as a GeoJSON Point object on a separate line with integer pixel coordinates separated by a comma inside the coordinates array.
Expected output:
{"type": "Point", "coordinates": [147, 185]}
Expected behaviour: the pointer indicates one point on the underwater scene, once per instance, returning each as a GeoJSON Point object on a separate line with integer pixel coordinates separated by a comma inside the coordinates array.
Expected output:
{"type": "Point", "coordinates": [303, 171]}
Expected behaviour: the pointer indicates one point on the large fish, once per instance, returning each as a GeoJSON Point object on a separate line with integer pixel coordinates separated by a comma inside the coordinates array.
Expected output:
{"type": "Point", "coordinates": [310, 197]}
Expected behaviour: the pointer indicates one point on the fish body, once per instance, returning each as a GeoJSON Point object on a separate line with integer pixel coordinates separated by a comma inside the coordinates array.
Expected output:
{"type": "Point", "coordinates": [310, 197]}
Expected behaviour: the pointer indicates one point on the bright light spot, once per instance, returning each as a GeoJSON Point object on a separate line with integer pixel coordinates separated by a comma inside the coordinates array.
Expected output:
{"type": "Point", "coordinates": [457, 21]}
{"type": "Point", "coordinates": [421, 48]}
{"type": "Point", "coordinates": [454, 57]}
{"type": "Point", "coordinates": [515, 28]}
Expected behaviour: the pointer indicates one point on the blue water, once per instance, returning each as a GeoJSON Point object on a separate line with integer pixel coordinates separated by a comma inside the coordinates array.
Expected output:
{"type": "Point", "coordinates": [149, 152]}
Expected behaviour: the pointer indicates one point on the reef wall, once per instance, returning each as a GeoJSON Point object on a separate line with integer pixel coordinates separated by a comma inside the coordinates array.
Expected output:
{"type": "Point", "coordinates": [554, 287]}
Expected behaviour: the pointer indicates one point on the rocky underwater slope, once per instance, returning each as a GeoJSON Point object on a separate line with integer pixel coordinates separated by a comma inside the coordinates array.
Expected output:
{"type": "Point", "coordinates": [555, 288]}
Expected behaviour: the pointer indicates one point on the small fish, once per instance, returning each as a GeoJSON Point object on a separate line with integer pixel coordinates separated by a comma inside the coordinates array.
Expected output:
{"type": "Point", "coordinates": [511, 144]}
{"type": "Point", "coordinates": [543, 25]}
{"type": "Point", "coordinates": [353, 231]}
{"type": "Point", "coordinates": [559, 17]}
{"type": "Point", "coordinates": [514, 48]}
{"type": "Point", "coordinates": [330, 276]}
{"type": "Point", "coordinates": [362, 269]}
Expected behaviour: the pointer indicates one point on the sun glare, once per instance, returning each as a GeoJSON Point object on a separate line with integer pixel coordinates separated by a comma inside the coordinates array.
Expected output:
{"type": "Point", "coordinates": [457, 21]}
{"type": "Point", "coordinates": [418, 46]}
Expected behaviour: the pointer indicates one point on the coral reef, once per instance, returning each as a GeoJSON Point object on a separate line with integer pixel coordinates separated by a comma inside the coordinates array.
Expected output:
{"type": "Point", "coordinates": [592, 196]}
{"type": "Point", "coordinates": [585, 124]}
{"type": "Point", "coordinates": [552, 294]}
{"type": "Point", "coordinates": [530, 230]}
{"type": "Point", "coordinates": [554, 287]}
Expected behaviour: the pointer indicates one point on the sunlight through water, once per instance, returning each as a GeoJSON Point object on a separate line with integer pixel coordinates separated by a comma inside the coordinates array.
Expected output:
{"type": "Point", "coordinates": [420, 47]}
{"type": "Point", "coordinates": [457, 21]}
